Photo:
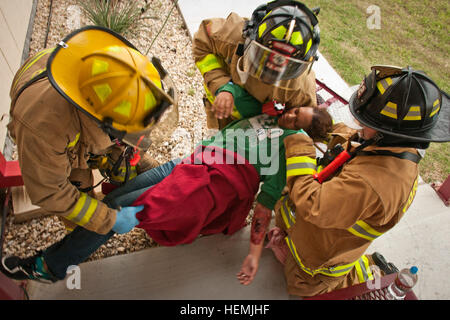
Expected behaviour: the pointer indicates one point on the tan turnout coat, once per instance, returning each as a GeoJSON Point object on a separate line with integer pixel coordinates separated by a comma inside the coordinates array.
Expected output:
{"type": "Point", "coordinates": [336, 221]}
{"type": "Point", "coordinates": [55, 141]}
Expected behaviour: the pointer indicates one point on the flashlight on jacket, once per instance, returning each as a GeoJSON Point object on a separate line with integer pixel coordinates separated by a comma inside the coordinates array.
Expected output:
{"type": "Point", "coordinates": [332, 167]}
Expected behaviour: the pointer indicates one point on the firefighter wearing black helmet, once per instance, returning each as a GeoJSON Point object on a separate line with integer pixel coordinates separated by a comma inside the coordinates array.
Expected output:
{"type": "Point", "coordinates": [270, 55]}
{"type": "Point", "coordinates": [323, 229]}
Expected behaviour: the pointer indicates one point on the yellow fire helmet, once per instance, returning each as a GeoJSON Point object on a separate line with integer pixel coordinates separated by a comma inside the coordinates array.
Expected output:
{"type": "Point", "coordinates": [105, 76]}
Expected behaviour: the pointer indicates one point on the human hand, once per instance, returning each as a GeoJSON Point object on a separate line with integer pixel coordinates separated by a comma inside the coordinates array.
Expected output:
{"type": "Point", "coordinates": [223, 105]}
{"type": "Point", "coordinates": [248, 269]}
{"type": "Point", "coordinates": [126, 219]}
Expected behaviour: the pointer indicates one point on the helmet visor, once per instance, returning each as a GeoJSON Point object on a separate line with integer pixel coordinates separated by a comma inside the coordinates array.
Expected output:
{"type": "Point", "coordinates": [271, 66]}
{"type": "Point", "coordinates": [161, 122]}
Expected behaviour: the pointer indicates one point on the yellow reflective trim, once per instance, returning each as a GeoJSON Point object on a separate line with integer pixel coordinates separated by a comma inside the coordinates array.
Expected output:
{"type": "Point", "coordinates": [359, 272]}
{"type": "Point", "coordinates": [413, 113]}
{"type": "Point", "coordinates": [368, 228]}
{"type": "Point", "coordinates": [288, 218]}
{"type": "Point", "coordinates": [29, 64]}
{"type": "Point", "coordinates": [337, 271]}
{"type": "Point", "coordinates": [305, 166]}
{"type": "Point", "coordinates": [367, 265]}
{"type": "Point", "coordinates": [300, 172]}
{"type": "Point", "coordinates": [90, 211]}
{"type": "Point", "coordinates": [123, 108]}
{"type": "Point", "coordinates": [308, 46]}
{"type": "Point", "coordinates": [150, 101]}
{"type": "Point", "coordinates": [434, 106]}
{"type": "Point", "coordinates": [235, 113]}
{"type": "Point", "coordinates": [383, 84]}
{"type": "Point", "coordinates": [363, 230]}
{"type": "Point", "coordinates": [279, 32]}
{"type": "Point", "coordinates": [301, 159]}
{"type": "Point", "coordinates": [114, 48]}
{"type": "Point", "coordinates": [389, 110]}
{"type": "Point", "coordinates": [208, 63]}
{"type": "Point", "coordinates": [285, 218]}
{"type": "Point", "coordinates": [103, 91]}
{"type": "Point", "coordinates": [261, 29]}
{"type": "Point", "coordinates": [99, 66]}
{"type": "Point", "coordinates": [411, 196]}
{"type": "Point", "coordinates": [38, 72]}
{"type": "Point", "coordinates": [380, 87]}
{"type": "Point", "coordinates": [122, 171]}
{"type": "Point", "coordinates": [297, 39]}
{"type": "Point", "coordinates": [79, 205]}
{"type": "Point", "coordinates": [74, 142]}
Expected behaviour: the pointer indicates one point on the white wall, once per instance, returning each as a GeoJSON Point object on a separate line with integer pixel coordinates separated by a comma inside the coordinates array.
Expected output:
{"type": "Point", "coordinates": [14, 21]}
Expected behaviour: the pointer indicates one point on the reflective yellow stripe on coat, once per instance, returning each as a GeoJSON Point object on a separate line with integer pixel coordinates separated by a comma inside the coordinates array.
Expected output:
{"type": "Point", "coordinates": [363, 270]}
{"type": "Point", "coordinates": [336, 271]}
{"type": "Point", "coordinates": [286, 212]}
{"type": "Point", "coordinates": [84, 209]}
{"type": "Point", "coordinates": [235, 113]}
{"type": "Point", "coordinates": [297, 166]}
{"type": "Point", "coordinates": [208, 63]}
{"type": "Point", "coordinates": [363, 230]}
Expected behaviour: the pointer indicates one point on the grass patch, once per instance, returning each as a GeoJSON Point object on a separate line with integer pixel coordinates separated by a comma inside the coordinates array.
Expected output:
{"type": "Point", "coordinates": [413, 32]}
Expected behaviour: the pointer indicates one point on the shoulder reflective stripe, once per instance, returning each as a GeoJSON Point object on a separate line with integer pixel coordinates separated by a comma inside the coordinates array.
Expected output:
{"type": "Point", "coordinates": [74, 142]}
{"type": "Point", "coordinates": [296, 166]}
{"type": "Point", "coordinates": [30, 63]}
{"type": "Point", "coordinates": [302, 159]}
{"type": "Point", "coordinates": [337, 271]}
{"type": "Point", "coordinates": [363, 230]}
{"type": "Point", "coordinates": [83, 210]}
{"type": "Point", "coordinates": [208, 63]}
{"type": "Point", "coordinates": [286, 213]}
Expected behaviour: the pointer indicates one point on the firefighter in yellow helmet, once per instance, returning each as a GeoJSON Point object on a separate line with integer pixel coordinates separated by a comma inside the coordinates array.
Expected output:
{"type": "Point", "coordinates": [90, 103]}
{"type": "Point", "coordinates": [270, 55]}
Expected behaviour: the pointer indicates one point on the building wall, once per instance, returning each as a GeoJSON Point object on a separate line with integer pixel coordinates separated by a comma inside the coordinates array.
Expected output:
{"type": "Point", "coordinates": [14, 21]}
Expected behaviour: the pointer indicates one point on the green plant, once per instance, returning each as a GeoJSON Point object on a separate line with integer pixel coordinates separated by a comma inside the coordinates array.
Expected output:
{"type": "Point", "coordinates": [125, 17]}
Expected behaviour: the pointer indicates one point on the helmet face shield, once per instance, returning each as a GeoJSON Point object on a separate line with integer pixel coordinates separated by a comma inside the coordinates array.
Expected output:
{"type": "Point", "coordinates": [160, 122]}
{"type": "Point", "coordinates": [270, 66]}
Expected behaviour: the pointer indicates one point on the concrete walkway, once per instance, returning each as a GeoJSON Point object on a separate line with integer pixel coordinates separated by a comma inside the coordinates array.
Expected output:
{"type": "Point", "coordinates": [206, 269]}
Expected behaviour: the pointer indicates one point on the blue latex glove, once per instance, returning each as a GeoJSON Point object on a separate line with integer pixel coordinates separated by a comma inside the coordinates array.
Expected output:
{"type": "Point", "coordinates": [126, 219]}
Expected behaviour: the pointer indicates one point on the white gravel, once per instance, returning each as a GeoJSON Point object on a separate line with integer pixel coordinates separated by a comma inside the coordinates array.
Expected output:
{"type": "Point", "coordinates": [174, 48]}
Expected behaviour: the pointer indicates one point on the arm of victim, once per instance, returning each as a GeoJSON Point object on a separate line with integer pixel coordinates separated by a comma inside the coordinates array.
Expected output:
{"type": "Point", "coordinates": [260, 224]}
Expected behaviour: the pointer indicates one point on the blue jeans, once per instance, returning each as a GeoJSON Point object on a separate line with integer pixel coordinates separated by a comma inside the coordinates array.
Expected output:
{"type": "Point", "coordinates": [78, 245]}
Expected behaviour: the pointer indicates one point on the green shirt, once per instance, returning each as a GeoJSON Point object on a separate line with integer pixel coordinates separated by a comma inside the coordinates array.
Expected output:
{"type": "Point", "coordinates": [245, 105]}
{"type": "Point", "coordinates": [259, 140]}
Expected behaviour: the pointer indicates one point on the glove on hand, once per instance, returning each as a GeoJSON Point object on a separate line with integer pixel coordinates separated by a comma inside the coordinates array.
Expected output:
{"type": "Point", "coordinates": [126, 219]}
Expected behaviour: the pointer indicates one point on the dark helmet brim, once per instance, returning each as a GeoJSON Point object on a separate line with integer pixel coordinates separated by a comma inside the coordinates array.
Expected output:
{"type": "Point", "coordinates": [440, 132]}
